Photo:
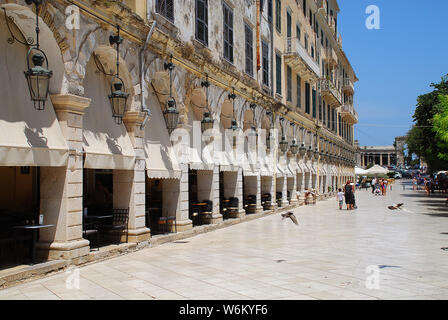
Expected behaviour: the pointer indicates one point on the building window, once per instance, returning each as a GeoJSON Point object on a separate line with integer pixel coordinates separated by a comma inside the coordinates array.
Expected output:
{"type": "Point", "coordinates": [320, 109]}
{"type": "Point", "coordinates": [228, 32]}
{"type": "Point", "coordinates": [165, 8]}
{"type": "Point", "coordinates": [311, 18]}
{"type": "Point", "coordinates": [278, 15]}
{"type": "Point", "coordinates": [265, 62]}
{"type": "Point", "coordinates": [307, 98]}
{"type": "Point", "coordinates": [304, 8]}
{"type": "Point", "coordinates": [322, 38]}
{"type": "Point", "coordinates": [314, 104]}
{"type": "Point", "coordinates": [289, 83]}
{"type": "Point", "coordinates": [312, 52]}
{"type": "Point", "coordinates": [202, 21]}
{"type": "Point", "coordinates": [270, 11]}
{"type": "Point", "coordinates": [299, 92]}
{"type": "Point", "coordinates": [249, 50]}
{"type": "Point", "coordinates": [340, 128]}
{"type": "Point", "coordinates": [278, 74]}
{"type": "Point", "coordinates": [306, 42]}
{"type": "Point", "coordinates": [329, 117]}
{"type": "Point", "coordinates": [324, 114]}
{"type": "Point", "coordinates": [298, 34]}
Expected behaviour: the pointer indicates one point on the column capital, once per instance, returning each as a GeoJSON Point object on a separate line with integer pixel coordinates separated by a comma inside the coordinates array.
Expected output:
{"type": "Point", "coordinates": [70, 103]}
{"type": "Point", "coordinates": [133, 121]}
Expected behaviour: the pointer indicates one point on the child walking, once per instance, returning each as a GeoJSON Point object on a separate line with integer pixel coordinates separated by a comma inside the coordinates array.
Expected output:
{"type": "Point", "coordinates": [340, 198]}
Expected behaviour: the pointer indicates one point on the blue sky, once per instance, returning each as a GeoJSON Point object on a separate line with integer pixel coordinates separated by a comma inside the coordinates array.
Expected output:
{"type": "Point", "coordinates": [394, 64]}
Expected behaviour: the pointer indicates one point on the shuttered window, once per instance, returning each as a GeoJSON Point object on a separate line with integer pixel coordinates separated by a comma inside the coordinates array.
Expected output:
{"type": "Point", "coordinates": [228, 32]}
{"type": "Point", "coordinates": [307, 97]}
{"type": "Point", "coordinates": [278, 74]}
{"type": "Point", "coordinates": [165, 8]}
{"type": "Point", "coordinates": [288, 83]}
{"type": "Point", "coordinates": [299, 92]}
{"type": "Point", "coordinates": [249, 50]}
{"type": "Point", "coordinates": [278, 15]}
{"type": "Point", "coordinates": [314, 103]}
{"type": "Point", "coordinates": [202, 21]}
{"type": "Point", "coordinates": [265, 62]}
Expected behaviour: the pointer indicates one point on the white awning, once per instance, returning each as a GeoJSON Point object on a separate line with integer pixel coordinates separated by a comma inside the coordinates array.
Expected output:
{"type": "Point", "coordinates": [293, 166]}
{"type": "Point", "coordinates": [29, 137]}
{"type": "Point", "coordinates": [312, 167]}
{"type": "Point", "coordinates": [159, 155]}
{"type": "Point", "coordinates": [249, 170]}
{"type": "Point", "coordinates": [266, 167]}
{"type": "Point", "coordinates": [107, 144]}
{"type": "Point", "coordinates": [226, 162]}
{"type": "Point", "coordinates": [302, 167]}
{"type": "Point", "coordinates": [322, 169]}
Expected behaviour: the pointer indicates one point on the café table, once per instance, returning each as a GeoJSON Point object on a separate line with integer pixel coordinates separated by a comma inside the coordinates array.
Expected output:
{"type": "Point", "coordinates": [34, 228]}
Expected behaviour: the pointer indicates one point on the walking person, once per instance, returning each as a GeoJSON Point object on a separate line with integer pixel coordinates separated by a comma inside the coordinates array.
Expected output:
{"type": "Point", "coordinates": [340, 198]}
{"type": "Point", "coordinates": [414, 183]}
{"type": "Point", "coordinates": [427, 187]}
{"type": "Point", "coordinates": [385, 183]}
{"type": "Point", "coordinates": [373, 184]}
{"type": "Point", "coordinates": [348, 194]}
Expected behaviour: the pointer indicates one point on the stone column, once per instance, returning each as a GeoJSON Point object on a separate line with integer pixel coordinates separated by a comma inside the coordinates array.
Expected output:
{"type": "Point", "coordinates": [61, 188]}
{"type": "Point", "coordinates": [183, 221]}
{"type": "Point", "coordinates": [259, 206]}
{"type": "Point", "coordinates": [381, 159]}
{"type": "Point", "coordinates": [233, 187]}
{"type": "Point", "coordinates": [208, 189]}
{"type": "Point", "coordinates": [130, 185]}
{"type": "Point", "coordinates": [388, 159]}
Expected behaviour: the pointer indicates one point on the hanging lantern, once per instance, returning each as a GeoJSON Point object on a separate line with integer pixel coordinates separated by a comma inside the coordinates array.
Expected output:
{"type": "Point", "coordinates": [38, 78]}
{"type": "Point", "coordinates": [294, 148]}
{"type": "Point", "coordinates": [118, 99]}
{"type": "Point", "coordinates": [302, 150]}
{"type": "Point", "coordinates": [207, 122]}
{"type": "Point", "coordinates": [171, 115]}
{"type": "Point", "coordinates": [283, 145]}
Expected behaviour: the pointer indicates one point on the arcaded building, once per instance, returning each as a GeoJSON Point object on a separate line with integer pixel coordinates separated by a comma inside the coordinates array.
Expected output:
{"type": "Point", "coordinates": [177, 115]}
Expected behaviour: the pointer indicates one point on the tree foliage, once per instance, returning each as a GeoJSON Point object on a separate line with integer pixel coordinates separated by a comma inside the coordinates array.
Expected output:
{"type": "Point", "coordinates": [423, 139]}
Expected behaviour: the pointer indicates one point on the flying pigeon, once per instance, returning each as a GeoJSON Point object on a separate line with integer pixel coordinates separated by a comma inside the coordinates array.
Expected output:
{"type": "Point", "coordinates": [291, 216]}
{"type": "Point", "coordinates": [397, 206]}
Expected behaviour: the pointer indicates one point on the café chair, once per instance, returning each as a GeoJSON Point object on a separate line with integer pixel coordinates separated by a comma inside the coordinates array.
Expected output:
{"type": "Point", "coordinates": [120, 221]}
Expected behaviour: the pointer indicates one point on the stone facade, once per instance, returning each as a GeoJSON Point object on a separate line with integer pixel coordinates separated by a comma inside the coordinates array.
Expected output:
{"type": "Point", "coordinates": [262, 51]}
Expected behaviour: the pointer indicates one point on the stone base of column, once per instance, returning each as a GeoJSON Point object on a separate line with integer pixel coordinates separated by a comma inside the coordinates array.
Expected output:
{"type": "Point", "coordinates": [237, 213]}
{"type": "Point", "coordinates": [259, 209]}
{"type": "Point", "coordinates": [183, 225]}
{"type": "Point", "coordinates": [63, 250]}
{"type": "Point", "coordinates": [301, 200]}
{"type": "Point", "coordinates": [212, 219]}
{"type": "Point", "coordinates": [138, 235]}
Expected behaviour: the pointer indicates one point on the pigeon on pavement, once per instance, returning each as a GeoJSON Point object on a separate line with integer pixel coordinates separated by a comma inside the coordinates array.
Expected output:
{"type": "Point", "coordinates": [396, 206]}
{"type": "Point", "coordinates": [291, 216]}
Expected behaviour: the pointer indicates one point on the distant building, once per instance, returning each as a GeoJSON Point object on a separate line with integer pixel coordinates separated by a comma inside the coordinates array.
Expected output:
{"type": "Point", "coordinates": [381, 155]}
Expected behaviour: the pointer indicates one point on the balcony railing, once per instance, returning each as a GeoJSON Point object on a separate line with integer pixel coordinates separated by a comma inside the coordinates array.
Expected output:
{"type": "Point", "coordinates": [348, 111]}
{"type": "Point", "coordinates": [293, 46]}
{"type": "Point", "coordinates": [330, 93]}
{"type": "Point", "coordinates": [331, 57]}
{"type": "Point", "coordinates": [348, 86]}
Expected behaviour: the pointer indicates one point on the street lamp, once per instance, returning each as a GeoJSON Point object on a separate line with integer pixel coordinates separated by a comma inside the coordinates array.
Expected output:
{"type": "Point", "coordinates": [37, 76]}
{"type": "Point", "coordinates": [207, 120]}
{"type": "Point", "coordinates": [171, 114]}
{"type": "Point", "coordinates": [283, 143]}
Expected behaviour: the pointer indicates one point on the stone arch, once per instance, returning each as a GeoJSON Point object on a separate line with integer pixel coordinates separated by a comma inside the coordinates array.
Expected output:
{"type": "Point", "coordinates": [22, 24]}
{"type": "Point", "coordinates": [247, 118]}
